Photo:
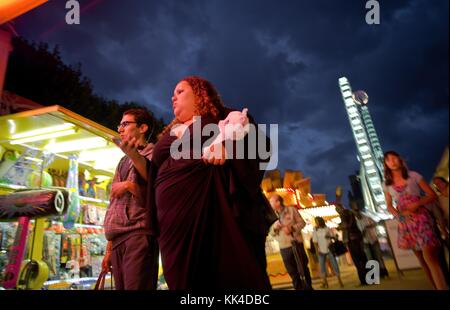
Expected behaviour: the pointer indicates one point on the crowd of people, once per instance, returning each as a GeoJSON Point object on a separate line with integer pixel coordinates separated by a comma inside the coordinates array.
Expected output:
{"type": "Point", "coordinates": [209, 219]}
{"type": "Point", "coordinates": [422, 227]}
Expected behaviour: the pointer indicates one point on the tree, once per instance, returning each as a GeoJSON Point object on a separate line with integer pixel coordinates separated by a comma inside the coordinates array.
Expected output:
{"type": "Point", "coordinates": [38, 74]}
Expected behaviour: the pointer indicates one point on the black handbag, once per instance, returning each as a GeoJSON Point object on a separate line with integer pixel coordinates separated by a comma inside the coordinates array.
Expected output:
{"type": "Point", "coordinates": [337, 248]}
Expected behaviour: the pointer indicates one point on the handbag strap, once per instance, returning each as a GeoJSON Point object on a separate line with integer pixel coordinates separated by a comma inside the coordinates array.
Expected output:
{"type": "Point", "coordinates": [100, 284]}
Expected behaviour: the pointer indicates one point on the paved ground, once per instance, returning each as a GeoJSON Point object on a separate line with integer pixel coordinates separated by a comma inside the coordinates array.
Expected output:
{"type": "Point", "coordinates": [411, 280]}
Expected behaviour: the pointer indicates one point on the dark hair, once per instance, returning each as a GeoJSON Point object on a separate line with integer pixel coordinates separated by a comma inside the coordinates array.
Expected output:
{"type": "Point", "coordinates": [279, 198]}
{"type": "Point", "coordinates": [210, 103]}
{"type": "Point", "coordinates": [388, 172]}
{"type": "Point", "coordinates": [441, 178]}
{"type": "Point", "coordinates": [320, 222]}
{"type": "Point", "coordinates": [141, 117]}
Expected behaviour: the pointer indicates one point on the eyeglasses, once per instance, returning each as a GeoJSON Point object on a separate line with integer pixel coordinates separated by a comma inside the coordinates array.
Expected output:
{"type": "Point", "coordinates": [125, 124]}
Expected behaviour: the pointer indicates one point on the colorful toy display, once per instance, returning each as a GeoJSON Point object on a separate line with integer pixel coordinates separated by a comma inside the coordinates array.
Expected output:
{"type": "Point", "coordinates": [72, 184]}
{"type": "Point", "coordinates": [52, 252]}
{"type": "Point", "coordinates": [16, 254]}
{"type": "Point", "coordinates": [7, 161]}
{"type": "Point", "coordinates": [34, 179]}
{"type": "Point", "coordinates": [73, 244]}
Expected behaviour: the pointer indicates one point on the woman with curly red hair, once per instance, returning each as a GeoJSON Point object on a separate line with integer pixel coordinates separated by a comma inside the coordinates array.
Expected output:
{"type": "Point", "coordinates": [211, 213]}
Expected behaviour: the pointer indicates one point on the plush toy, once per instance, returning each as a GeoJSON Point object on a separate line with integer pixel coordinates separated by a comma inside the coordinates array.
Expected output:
{"type": "Point", "coordinates": [233, 127]}
{"type": "Point", "coordinates": [82, 184]}
{"type": "Point", "coordinates": [7, 160]}
{"type": "Point", "coordinates": [73, 267]}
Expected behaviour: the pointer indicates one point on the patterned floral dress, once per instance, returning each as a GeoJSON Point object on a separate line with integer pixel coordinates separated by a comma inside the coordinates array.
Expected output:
{"type": "Point", "coordinates": [415, 231]}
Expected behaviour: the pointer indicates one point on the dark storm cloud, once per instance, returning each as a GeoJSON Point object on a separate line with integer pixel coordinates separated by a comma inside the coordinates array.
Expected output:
{"type": "Point", "coordinates": [131, 51]}
{"type": "Point", "coordinates": [282, 60]}
{"type": "Point", "coordinates": [330, 162]}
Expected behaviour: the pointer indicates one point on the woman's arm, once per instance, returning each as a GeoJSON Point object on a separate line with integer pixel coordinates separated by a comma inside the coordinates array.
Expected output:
{"type": "Point", "coordinates": [275, 229]}
{"type": "Point", "coordinates": [390, 207]}
{"type": "Point", "coordinates": [139, 161]}
{"type": "Point", "coordinates": [217, 154]}
{"type": "Point", "coordinates": [430, 196]}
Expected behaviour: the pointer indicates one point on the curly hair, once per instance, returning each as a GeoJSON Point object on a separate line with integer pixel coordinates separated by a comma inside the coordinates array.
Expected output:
{"type": "Point", "coordinates": [209, 103]}
{"type": "Point", "coordinates": [388, 180]}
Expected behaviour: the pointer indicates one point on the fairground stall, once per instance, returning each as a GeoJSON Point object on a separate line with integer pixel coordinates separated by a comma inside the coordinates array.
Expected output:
{"type": "Point", "coordinates": [296, 191]}
{"type": "Point", "coordinates": [55, 175]}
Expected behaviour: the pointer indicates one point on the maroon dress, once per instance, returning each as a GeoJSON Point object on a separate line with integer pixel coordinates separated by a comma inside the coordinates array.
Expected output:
{"type": "Point", "coordinates": [212, 221]}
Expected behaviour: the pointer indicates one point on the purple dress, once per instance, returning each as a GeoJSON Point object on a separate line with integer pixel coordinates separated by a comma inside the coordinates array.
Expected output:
{"type": "Point", "coordinates": [415, 231]}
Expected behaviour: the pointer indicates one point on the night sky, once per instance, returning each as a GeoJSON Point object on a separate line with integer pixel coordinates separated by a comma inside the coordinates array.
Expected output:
{"type": "Point", "coordinates": [282, 60]}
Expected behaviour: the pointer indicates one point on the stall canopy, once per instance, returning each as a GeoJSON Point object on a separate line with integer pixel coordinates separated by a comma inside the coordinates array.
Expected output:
{"type": "Point", "coordinates": [296, 191]}
{"type": "Point", "coordinates": [62, 132]}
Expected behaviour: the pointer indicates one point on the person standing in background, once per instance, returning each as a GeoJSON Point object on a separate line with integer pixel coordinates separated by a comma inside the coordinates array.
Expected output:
{"type": "Point", "coordinates": [352, 237]}
{"type": "Point", "coordinates": [402, 189]}
{"type": "Point", "coordinates": [441, 185]}
{"type": "Point", "coordinates": [372, 248]}
{"type": "Point", "coordinates": [322, 236]}
{"type": "Point", "coordinates": [286, 231]}
{"type": "Point", "coordinates": [440, 213]}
